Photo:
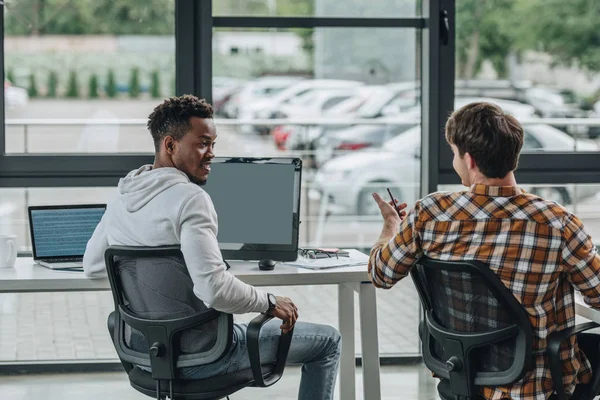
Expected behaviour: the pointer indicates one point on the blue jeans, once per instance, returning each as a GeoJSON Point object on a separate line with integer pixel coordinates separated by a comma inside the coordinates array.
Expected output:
{"type": "Point", "coordinates": [316, 347]}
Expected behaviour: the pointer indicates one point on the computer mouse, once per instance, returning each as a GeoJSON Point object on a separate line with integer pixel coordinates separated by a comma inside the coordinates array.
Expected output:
{"type": "Point", "coordinates": [266, 265]}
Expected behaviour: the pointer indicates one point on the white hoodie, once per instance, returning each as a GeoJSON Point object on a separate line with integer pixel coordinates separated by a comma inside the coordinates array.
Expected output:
{"type": "Point", "coordinates": [158, 207]}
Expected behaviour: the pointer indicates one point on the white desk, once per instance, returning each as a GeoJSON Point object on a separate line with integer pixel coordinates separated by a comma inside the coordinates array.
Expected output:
{"type": "Point", "coordinates": [28, 277]}
{"type": "Point", "coordinates": [582, 309]}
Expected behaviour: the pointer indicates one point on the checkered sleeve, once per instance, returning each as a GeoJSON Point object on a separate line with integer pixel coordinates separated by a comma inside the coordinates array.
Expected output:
{"type": "Point", "coordinates": [581, 260]}
{"type": "Point", "coordinates": [390, 262]}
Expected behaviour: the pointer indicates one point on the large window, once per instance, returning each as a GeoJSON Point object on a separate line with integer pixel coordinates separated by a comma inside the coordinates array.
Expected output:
{"type": "Point", "coordinates": [351, 87]}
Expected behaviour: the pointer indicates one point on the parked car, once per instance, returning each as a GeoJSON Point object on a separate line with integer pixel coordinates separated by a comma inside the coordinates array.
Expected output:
{"type": "Point", "coordinates": [14, 96]}
{"type": "Point", "coordinates": [268, 107]}
{"type": "Point", "coordinates": [256, 90]}
{"type": "Point", "coordinates": [349, 180]}
{"type": "Point", "coordinates": [223, 90]}
{"type": "Point", "coordinates": [557, 103]}
{"type": "Point", "coordinates": [594, 131]}
{"type": "Point", "coordinates": [310, 105]}
{"type": "Point", "coordinates": [393, 98]}
{"type": "Point", "coordinates": [407, 114]}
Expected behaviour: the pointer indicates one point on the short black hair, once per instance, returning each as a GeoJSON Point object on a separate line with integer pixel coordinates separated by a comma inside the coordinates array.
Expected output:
{"type": "Point", "coordinates": [493, 138]}
{"type": "Point", "coordinates": [172, 117]}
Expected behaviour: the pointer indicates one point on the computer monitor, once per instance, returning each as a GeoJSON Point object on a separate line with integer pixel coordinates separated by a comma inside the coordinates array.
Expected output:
{"type": "Point", "coordinates": [258, 206]}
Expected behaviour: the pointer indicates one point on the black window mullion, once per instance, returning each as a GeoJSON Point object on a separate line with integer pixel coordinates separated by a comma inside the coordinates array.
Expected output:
{"type": "Point", "coordinates": [2, 114]}
{"type": "Point", "coordinates": [193, 48]}
{"type": "Point", "coordinates": [437, 88]}
{"type": "Point", "coordinates": [316, 22]}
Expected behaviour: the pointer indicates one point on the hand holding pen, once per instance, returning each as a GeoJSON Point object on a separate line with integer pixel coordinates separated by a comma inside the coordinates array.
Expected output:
{"type": "Point", "coordinates": [391, 211]}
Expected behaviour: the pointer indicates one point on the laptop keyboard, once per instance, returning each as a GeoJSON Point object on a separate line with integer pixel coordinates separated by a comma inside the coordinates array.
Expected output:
{"type": "Point", "coordinates": [63, 260]}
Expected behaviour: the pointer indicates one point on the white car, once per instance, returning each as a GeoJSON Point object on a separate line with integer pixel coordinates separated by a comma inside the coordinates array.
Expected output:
{"type": "Point", "coordinates": [268, 107]}
{"type": "Point", "coordinates": [349, 180]}
{"type": "Point", "coordinates": [256, 90]}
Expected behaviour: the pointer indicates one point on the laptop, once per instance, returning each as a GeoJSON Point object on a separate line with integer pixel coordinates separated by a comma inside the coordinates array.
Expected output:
{"type": "Point", "coordinates": [59, 234]}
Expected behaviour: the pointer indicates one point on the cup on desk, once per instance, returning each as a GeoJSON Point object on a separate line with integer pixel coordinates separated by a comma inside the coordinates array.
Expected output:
{"type": "Point", "coordinates": [8, 251]}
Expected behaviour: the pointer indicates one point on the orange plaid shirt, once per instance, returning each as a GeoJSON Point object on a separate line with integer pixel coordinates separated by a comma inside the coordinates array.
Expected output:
{"type": "Point", "coordinates": [538, 249]}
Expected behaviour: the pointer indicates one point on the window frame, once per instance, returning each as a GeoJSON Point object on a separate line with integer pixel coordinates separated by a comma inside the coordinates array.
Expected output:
{"type": "Point", "coordinates": [194, 24]}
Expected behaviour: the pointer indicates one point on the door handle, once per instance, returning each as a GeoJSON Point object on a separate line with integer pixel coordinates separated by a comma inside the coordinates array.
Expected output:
{"type": "Point", "coordinates": [444, 27]}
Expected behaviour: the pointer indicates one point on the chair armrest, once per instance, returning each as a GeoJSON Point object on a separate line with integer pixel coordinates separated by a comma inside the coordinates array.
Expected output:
{"type": "Point", "coordinates": [553, 349]}
{"type": "Point", "coordinates": [283, 349]}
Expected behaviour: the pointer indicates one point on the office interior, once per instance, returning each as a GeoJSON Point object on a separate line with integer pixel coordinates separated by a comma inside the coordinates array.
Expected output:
{"type": "Point", "coordinates": [358, 90]}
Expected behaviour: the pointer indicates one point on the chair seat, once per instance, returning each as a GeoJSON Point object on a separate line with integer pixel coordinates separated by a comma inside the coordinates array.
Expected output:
{"type": "Point", "coordinates": [212, 388]}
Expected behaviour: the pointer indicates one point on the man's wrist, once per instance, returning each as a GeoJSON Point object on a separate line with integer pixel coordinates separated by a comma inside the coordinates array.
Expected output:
{"type": "Point", "coordinates": [388, 232]}
{"type": "Point", "coordinates": [272, 302]}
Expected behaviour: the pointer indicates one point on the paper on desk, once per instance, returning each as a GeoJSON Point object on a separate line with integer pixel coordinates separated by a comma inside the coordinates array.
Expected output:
{"type": "Point", "coordinates": [356, 258]}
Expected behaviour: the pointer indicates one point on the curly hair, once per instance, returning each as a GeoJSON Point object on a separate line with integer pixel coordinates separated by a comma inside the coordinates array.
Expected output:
{"type": "Point", "coordinates": [172, 117]}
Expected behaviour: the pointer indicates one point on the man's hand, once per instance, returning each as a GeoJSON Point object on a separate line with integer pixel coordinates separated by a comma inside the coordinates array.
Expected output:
{"type": "Point", "coordinates": [388, 211]}
{"type": "Point", "coordinates": [286, 311]}
{"type": "Point", "coordinates": [391, 219]}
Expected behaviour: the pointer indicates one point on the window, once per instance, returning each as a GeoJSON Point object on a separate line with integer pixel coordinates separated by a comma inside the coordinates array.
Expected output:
{"type": "Point", "coordinates": [318, 8]}
{"type": "Point", "coordinates": [540, 74]}
{"type": "Point", "coordinates": [83, 78]}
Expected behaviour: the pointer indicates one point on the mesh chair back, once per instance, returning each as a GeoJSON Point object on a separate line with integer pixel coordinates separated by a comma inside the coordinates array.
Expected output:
{"type": "Point", "coordinates": [154, 283]}
{"type": "Point", "coordinates": [471, 315]}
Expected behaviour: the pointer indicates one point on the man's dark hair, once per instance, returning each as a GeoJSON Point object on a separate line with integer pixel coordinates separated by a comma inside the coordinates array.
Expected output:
{"type": "Point", "coordinates": [493, 138]}
{"type": "Point", "coordinates": [172, 117]}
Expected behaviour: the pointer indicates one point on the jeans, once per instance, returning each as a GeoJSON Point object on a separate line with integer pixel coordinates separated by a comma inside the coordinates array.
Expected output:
{"type": "Point", "coordinates": [316, 347]}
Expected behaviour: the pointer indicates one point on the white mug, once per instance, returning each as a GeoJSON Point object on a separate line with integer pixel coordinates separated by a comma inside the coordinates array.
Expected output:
{"type": "Point", "coordinates": [8, 251]}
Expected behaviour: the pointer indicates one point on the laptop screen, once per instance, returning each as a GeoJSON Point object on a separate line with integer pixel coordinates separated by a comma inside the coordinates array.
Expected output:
{"type": "Point", "coordinates": [63, 231]}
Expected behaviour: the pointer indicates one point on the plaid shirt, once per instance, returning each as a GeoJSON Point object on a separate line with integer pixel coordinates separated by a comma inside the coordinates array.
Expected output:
{"type": "Point", "coordinates": [539, 251]}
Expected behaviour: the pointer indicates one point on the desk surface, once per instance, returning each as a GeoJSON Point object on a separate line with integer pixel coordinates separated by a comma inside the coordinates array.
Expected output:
{"type": "Point", "coordinates": [27, 276]}
{"type": "Point", "coordinates": [582, 309]}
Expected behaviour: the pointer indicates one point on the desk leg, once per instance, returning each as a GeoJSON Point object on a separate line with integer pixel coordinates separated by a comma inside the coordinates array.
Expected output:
{"type": "Point", "coordinates": [369, 341]}
{"type": "Point", "coordinates": [348, 359]}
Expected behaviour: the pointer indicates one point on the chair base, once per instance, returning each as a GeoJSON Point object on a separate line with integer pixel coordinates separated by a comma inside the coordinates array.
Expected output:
{"type": "Point", "coordinates": [213, 388]}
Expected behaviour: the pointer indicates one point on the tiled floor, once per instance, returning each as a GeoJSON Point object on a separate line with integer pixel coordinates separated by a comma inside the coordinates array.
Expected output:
{"type": "Point", "coordinates": [72, 326]}
{"type": "Point", "coordinates": [412, 382]}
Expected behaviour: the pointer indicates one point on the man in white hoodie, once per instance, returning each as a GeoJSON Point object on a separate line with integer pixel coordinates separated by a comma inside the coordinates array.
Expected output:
{"type": "Point", "coordinates": [164, 204]}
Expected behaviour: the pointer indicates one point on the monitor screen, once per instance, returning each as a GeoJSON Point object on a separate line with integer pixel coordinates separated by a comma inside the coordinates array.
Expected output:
{"type": "Point", "coordinates": [258, 206]}
{"type": "Point", "coordinates": [63, 231]}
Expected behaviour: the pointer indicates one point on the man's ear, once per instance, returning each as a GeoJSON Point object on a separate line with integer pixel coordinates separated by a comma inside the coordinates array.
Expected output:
{"type": "Point", "coordinates": [470, 161]}
{"type": "Point", "coordinates": [169, 144]}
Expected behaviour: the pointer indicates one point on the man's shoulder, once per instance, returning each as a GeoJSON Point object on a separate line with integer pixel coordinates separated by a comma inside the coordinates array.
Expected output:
{"type": "Point", "coordinates": [189, 190]}
{"type": "Point", "coordinates": [545, 211]}
{"type": "Point", "coordinates": [440, 200]}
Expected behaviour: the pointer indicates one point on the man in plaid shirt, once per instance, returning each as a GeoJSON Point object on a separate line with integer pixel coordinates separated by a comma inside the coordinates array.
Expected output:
{"type": "Point", "coordinates": [538, 249]}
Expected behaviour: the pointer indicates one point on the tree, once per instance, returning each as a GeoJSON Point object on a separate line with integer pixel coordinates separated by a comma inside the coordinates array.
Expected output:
{"type": "Point", "coordinates": [10, 76]}
{"type": "Point", "coordinates": [567, 30]}
{"type": "Point", "coordinates": [484, 30]}
{"type": "Point", "coordinates": [111, 85]}
{"type": "Point", "coordinates": [134, 83]}
{"type": "Point", "coordinates": [60, 17]}
{"type": "Point", "coordinates": [32, 89]}
{"type": "Point", "coordinates": [52, 84]}
{"type": "Point", "coordinates": [73, 86]}
{"type": "Point", "coordinates": [155, 85]}
{"type": "Point", "coordinates": [93, 87]}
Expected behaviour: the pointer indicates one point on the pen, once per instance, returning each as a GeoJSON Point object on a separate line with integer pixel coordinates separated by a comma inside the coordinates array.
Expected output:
{"type": "Point", "coordinates": [394, 202]}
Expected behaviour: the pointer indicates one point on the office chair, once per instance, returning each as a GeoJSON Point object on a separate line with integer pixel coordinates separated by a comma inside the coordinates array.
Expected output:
{"type": "Point", "coordinates": [160, 325]}
{"type": "Point", "coordinates": [474, 332]}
